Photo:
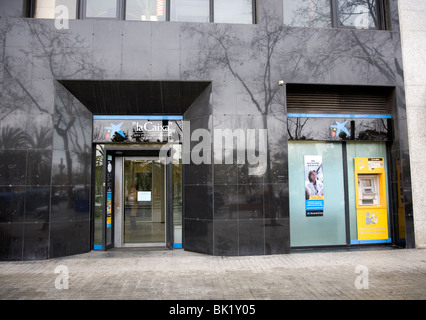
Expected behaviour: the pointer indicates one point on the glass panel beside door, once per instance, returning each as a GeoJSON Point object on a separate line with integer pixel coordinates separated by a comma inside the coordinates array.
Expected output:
{"type": "Point", "coordinates": [317, 199]}
{"type": "Point", "coordinates": [325, 211]}
{"type": "Point", "coordinates": [143, 219]}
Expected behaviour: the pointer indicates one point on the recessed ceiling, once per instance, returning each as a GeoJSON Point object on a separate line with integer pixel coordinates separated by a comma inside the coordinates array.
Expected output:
{"type": "Point", "coordinates": [115, 97]}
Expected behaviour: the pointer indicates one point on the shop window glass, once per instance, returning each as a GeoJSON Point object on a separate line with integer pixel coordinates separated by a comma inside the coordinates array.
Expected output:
{"type": "Point", "coordinates": [45, 9]}
{"type": "Point", "coordinates": [177, 193]}
{"type": "Point", "coordinates": [233, 11]}
{"type": "Point", "coordinates": [307, 13]}
{"type": "Point", "coordinates": [321, 219]}
{"type": "Point", "coordinates": [146, 10]}
{"type": "Point", "coordinates": [360, 14]}
{"type": "Point", "coordinates": [101, 9]}
{"type": "Point", "coordinates": [190, 10]}
{"type": "Point", "coordinates": [99, 197]}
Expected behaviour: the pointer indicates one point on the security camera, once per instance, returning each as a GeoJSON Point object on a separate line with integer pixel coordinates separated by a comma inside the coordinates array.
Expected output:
{"type": "Point", "coordinates": [281, 83]}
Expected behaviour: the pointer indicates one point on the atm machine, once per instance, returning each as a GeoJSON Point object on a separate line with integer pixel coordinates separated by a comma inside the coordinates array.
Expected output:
{"type": "Point", "coordinates": [371, 200]}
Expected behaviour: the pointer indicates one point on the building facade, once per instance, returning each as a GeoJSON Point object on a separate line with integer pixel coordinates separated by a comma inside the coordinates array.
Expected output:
{"type": "Point", "coordinates": [221, 127]}
{"type": "Point", "coordinates": [413, 33]}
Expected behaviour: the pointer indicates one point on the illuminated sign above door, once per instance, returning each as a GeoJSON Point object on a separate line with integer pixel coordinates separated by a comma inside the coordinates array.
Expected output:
{"type": "Point", "coordinates": [137, 129]}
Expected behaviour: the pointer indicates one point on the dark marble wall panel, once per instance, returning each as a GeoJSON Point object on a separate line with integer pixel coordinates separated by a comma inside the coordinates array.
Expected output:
{"type": "Point", "coordinates": [12, 235]}
{"type": "Point", "coordinates": [198, 235]}
{"type": "Point", "coordinates": [226, 237]}
{"type": "Point", "coordinates": [275, 242]}
{"type": "Point", "coordinates": [36, 240]}
{"type": "Point", "coordinates": [70, 237]}
{"type": "Point", "coordinates": [12, 204]}
{"type": "Point", "coordinates": [198, 177]}
{"type": "Point", "coordinates": [71, 176]}
{"type": "Point", "coordinates": [37, 204]}
{"type": "Point", "coordinates": [40, 125]}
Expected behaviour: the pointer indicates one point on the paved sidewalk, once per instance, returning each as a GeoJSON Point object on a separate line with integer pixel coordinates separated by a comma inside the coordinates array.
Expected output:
{"type": "Point", "coordinates": [180, 275]}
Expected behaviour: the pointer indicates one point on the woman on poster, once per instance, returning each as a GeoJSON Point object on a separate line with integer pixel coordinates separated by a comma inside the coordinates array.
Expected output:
{"type": "Point", "coordinates": [313, 186]}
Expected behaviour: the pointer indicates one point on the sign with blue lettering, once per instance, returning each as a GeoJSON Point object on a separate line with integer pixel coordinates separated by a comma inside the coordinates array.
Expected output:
{"type": "Point", "coordinates": [137, 129]}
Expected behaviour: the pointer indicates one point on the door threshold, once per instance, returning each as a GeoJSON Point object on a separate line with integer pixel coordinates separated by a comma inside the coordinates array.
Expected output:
{"type": "Point", "coordinates": [159, 248]}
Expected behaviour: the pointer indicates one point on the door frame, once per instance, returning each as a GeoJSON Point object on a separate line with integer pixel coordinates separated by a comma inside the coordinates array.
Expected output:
{"type": "Point", "coordinates": [108, 235]}
{"type": "Point", "coordinates": [119, 211]}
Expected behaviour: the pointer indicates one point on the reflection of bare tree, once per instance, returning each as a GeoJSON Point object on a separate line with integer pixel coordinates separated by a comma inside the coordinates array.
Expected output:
{"type": "Point", "coordinates": [308, 13]}
{"type": "Point", "coordinates": [221, 43]}
{"type": "Point", "coordinates": [62, 55]}
{"type": "Point", "coordinates": [373, 130]}
{"type": "Point", "coordinates": [295, 129]}
{"type": "Point", "coordinates": [278, 52]}
{"type": "Point", "coordinates": [366, 47]}
{"type": "Point", "coordinates": [15, 95]}
{"type": "Point", "coordinates": [373, 56]}
{"type": "Point", "coordinates": [98, 133]}
{"type": "Point", "coordinates": [64, 59]}
{"type": "Point", "coordinates": [319, 13]}
{"type": "Point", "coordinates": [58, 56]}
{"type": "Point", "coordinates": [349, 11]}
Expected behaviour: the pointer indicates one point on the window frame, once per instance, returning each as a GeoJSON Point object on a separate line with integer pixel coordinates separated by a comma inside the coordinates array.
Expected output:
{"type": "Point", "coordinates": [121, 11]}
{"type": "Point", "coordinates": [253, 12]}
{"type": "Point", "coordinates": [335, 17]}
{"type": "Point", "coordinates": [382, 13]}
{"type": "Point", "coordinates": [82, 4]}
{"type": "Point", "coordinates": [30, 9]}
{"type": "Point", "coordinates": [210, 13]}
{"type": "Point", "coordinates": [124, 7]}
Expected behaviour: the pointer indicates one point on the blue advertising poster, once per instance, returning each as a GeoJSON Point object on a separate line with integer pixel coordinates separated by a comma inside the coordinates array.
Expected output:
{"type": "Point", "coordinates": [314, 186]}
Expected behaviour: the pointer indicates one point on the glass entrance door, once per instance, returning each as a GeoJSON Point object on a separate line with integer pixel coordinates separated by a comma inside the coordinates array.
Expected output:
{"type": "Point", "coordinates": [144, 198]}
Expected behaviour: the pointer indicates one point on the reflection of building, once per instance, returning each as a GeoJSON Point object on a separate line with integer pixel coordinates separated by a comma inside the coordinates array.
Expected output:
{"type": "Point", "coordinates": [157, 70]}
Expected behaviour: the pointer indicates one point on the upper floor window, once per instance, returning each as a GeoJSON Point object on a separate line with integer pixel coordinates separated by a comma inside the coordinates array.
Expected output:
{"type": "Point", "coordinates": [190, 10]}
{"type": "Point", "coordinates": [46, 9]}
{"type": "Point", "coordinates": [145, 10]}
{"type": "Point", "coordinates": [359, 14]}
{"type": "Point", "coordinates": [233, 11]}
{"type": "Point", "coordinates": [101, 9]}
{"type": "Point", "coordinates": [221, 11]}
{"type": "Point", "coordinates": [307, 13]}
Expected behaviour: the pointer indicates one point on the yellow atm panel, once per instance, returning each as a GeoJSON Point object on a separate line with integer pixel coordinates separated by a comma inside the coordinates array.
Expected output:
{"type": "Point", "coordinates": [371, 201]}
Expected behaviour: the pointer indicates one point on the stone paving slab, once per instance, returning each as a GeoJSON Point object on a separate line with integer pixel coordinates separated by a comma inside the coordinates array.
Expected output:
{"type": "Point", "coordinates": [397, 274]}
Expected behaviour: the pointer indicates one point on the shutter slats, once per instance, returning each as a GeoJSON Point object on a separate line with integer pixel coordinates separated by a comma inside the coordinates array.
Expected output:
{"type": "Point", "coordinates": [337, 99]}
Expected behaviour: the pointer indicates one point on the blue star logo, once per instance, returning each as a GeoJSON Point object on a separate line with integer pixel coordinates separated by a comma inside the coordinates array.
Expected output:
{"type": "Point", "coordinates": [116, 128]}
{"type": "Point", "coordinates": [340, 127]}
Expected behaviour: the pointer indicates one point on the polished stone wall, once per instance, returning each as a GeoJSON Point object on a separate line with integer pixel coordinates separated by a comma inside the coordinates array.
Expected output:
{"type": "Point", "coordinates": [227, 211]}
{"type": "Point", "coordinates": [413, 34]}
